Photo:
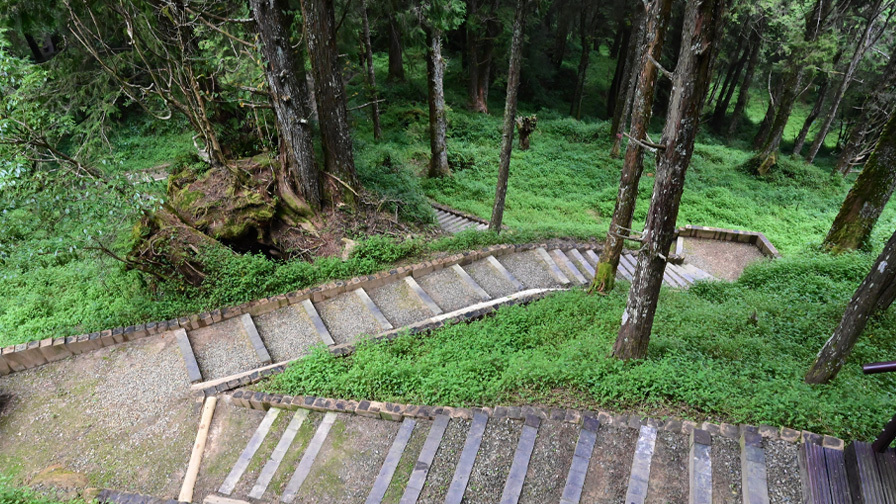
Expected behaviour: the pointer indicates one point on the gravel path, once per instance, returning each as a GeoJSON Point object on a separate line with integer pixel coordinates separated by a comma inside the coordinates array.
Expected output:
{"type": "Point", "coordinates": [447, 289]}
{"type": "Point", "coordinates": [488, 277]}
{"type": "Point", "coordinates": [530, 269]}
{"type": "Point", "coordinates": [399, 303]}
{"type": "Point", "coordinates": [347, 318]}
{"type": "Point", "coordinates": [723, 259]}
{"type": "Point", "coordinates": [783, 472]}
{"type": "Point", "coordinates": [493, 461]}
{"type": "Point", "coordinates": [407, 462]}
{"type": "Point", "coordinates": [223, 349]}
{"type": "Point", "coordinates": [120, 415]}
{"type": "Point", "coordinates": [726, 477]}
{"type": "Point", "coordinates": [442, 470]}
{"type": "Point", "coordinates": [287, 333]}
{"type": "Point", "coordinates": [549, 465]}
{"type": "Point", "coordinates": [668, 469]}
{"type": "Point", "coordinates": [611, 464]}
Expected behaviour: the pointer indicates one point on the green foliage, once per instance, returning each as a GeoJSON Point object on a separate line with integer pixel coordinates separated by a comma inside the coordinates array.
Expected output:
{"type": "Point", "coordinates": [11, 494]}
{"type": "Point", "coordinates": [708, 358]}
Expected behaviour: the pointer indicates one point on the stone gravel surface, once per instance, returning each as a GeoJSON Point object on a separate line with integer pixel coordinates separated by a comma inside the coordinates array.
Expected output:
{"type": "Point", "coordinates": [668, 469]}
{"type": "Point", "coordinates": [349, 460]}
{"type": "Point", "coordinates": [611, 464]}
{"type": "Point", "coordinates": [493, 461]}
{"type": "Point", "coordinates": [408, 461]}
{"type": "Point", "coordinates": [120, 415]}
{"type": "Point", "coordinates": [442, 470]}
{"type": "Point", "coordinates": [347, 318]}
{"type": "Point", "coordinates": [287, 333]}
{"type": "Point", "coordinates": [726, 476]}
{"type": "Point", "coordinates": [400, 304]}
{"type": "Point", "coordinates": [784, 485]}
{"type": "Point", "coordinates": [722, 259]}
{"type": "Point", "coordinates": [530, 269]}
{"type": "Point", "coordinates": [549, 465]}
{"type": "Point", "coordinates": [223, 349]}
{"type": "Point", "coordinates": [490, 279]}
{"type": "Point", "coordinates": [447, 289]}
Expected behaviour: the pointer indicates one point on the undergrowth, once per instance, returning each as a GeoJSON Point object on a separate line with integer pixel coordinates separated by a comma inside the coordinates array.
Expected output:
{"type": "Point", "coordinates": [734, 352]}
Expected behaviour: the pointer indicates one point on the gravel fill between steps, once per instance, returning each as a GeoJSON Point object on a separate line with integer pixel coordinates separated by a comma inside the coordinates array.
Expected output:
{"type": "Point", "coordinates": [287, 333]}
{"type": "Point", "coordinates": [347, 318]}
{"type": "Point", "coordinates": [223, 349]}
{"type": "Point", "coordinates": [530, 269]}
{"type": "Point", "coordinates": [669, 469]}
{"type": "Point", "coordinates": [448, 290]}
{"type": "Point", "coordinates": [488, 277]}
{"type": "Point", "coordinates": [549, 465]}
{"type": "Point", "coordinates": [493, 461]}
{"type": "Point", "coordinates": [726, 475]}
{"type": "Point", "coordinates": [442, 470]}
{"type": "Point", "coordinates": [399, 303]}
{"type": "Point", "coordinates": [784, 485]}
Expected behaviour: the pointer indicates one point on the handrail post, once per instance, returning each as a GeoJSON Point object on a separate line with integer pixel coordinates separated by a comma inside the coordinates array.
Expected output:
{"type": "Point", "coordinates": [885, 437]}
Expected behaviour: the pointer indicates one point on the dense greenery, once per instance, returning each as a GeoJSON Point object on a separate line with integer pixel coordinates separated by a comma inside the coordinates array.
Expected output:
{"type": "Point", "coordinates": [11, 494]}
{"type": "Point", "coordinates": [710, 357]}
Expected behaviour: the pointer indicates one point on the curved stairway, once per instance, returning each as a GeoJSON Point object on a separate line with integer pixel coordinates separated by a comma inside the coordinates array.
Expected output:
{"type": "Point", "coordinates": [234, 348]}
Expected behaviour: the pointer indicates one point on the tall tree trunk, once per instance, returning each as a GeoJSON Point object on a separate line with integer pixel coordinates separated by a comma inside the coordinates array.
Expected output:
{"type": "Point", "coordinates": [703, 23]}
{"type": "Point", "coordinates": [513, 82]}
{"type": "Point", "coordinates": [587, 21]}
{"type": "Point", "coordinates": [438, 124]}
{"type": "Point", "coordinates": [561, 37]}
{"type": "Point", "coordinates": [768, 154]}
{"type": "Point", "coordinates": [329, 92]}
{"type": "Point", "coordinates": [868, 196]}
{"type": "Point", "coordinates": [731, 80]}
{"type": "Point", "coordinates": [371, 74]}
{"type": "Point", "coordinates": [875, 110]}
{"type": "Point", "coordinates": [613, 97]}
{"type": "Point", "coordinates": [630, 79]}
{"type": "Point", "coordinates": [857, 56]}
{"type": "Point", "coordinates": [396, 65]}
{"type": "Point", "coordinates": [863, 304]}
{"type": "Point", "coordinates": [285, 74]}
{"type": "Point", "coordinates": [766, 125]}
{"type": "Point", "coordinates": [657, 19]}
{"type": "Point", "coordinates": [482, 28]}
{"type": "Point", "coordinates": [813, 114]}
{"type": "Point", "coordinates": [743, 96]}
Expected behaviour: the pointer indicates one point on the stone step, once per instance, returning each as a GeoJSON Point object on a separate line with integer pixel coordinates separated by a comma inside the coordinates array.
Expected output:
{"type": "Point", "coordinates": [387, 471]}
{"type": "Point", "coordinates": [242, 463]}
{"type": "Point", "coordinates": [530, 269]}
{"type": "Point", "coordinates": [465, 464]}
{"type": "Point", "coordinates": [568, 268]}
{"type": "Point", "coordinates": [700, 468]}
{"type": "Point", "coordinates": [252, 332]}
{"type": "Point", "coordinates": [493, 277]}
{"type": "Point", "coordinates": [186, 352]}
{"type": "Point", "coordinates": [418, 476]}
{"type": "Point", "coordinates": [462, 273]}
{"type": "Point", "coordinates": [443, 467]}
{"type": "Point", "coordinates": [381, 319]}
{"type": "Point", "coordinates": [404, 302]}
{"type": "Point", "coordinates": [579, 260]}
{"type": "Point", "coordinates": [578, 468]}
{"type": "Point", "coordinates": [449, 290]}
{"type": "Point", "coordinates": [289, 333]}
{"type": "Point", "coordinates": [513, 486]}
{"type": "Point", "coordinates": [681, 272]}
{"type": "Point", "coordinates": [273, 463]}
{"type": "Point", "coordinates": [224, 349]}
{"type": "Point", "coordinates": [627, 266]}
{"type": "Point", "coordinates": [348, 317]}
{"type": "Point", "coordinates": [640, 469]}
{"type": "Point", "coordinates": [319, 326]}
{"type": "Point", "coordinates": [754, 473]}
{"type": "Point", "coordinates": [308, 458]}
{"type": "Point", "coordinates": [553, 267]}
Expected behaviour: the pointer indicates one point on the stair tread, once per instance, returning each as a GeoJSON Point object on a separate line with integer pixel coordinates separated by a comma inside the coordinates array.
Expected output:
{"type": "Point", "coordinates": [421, 469]}
{"type": "Point", "coordinates": [530, 269]}
{"type": "Point", "coordinates": [493, 281]}
{"type": "Point", "coordinates": [308, 458]}
{"type": "Point", "coordinates": [468, 280]}
{"type": "Point", "coordinates": [464, 470]}
{"type": "Point", "coordinates": [347, 317]}
{"type": "Point", "coordinates": [401, 304]}
{"type": "Point", "coordinates": [553, 267]}
{"type": "Point", "coordinates": [322, 331]}
{"type": "Point", "coordinates": [513, 486]}
{"type": "Point", "coordinates": [567, 267]}
{"type": "Point", "coordinates": [384, 478]}
{"type": "Point", "coordinates": [287, 333]}
{"type": "Point", "coordinates": [640, 469]}
{"type": "Point", "coordinates": [448, 290]}
{"type": "Point", "coordinates": [578, 467]}
{"type": "Point", "coordinates": [273, 463]}
{"type": "Point", "coordinates": [248, 452]}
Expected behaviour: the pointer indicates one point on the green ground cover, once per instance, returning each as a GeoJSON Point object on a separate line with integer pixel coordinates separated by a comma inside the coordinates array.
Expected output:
{"type": "Point", "coordinates": [709, 358]}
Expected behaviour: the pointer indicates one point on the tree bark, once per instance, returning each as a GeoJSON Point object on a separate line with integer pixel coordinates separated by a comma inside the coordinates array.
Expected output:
{"type": "Point", "coordinates": [630, 80]}
{"type": "Point", "coordinates": [857, 56]}
{"type": "Point", "coordinates": [396, 65]}
{"type": "Point", "coordinates": [619, 73]}
{"type": "Point", "coordinates": [703, 23]}
{"type": "Point", "coordinates": [863, 304]}
{"type": "Point", "coordinates": [482, 29]}
{"type": "Point", "coordinates": [766, 125]}
{"type": "Point", "coordinates": [561, 37]}
{"type": "Point", "coordinates": [285, 74]}
{"type": "Point", "coordinates": [438, 124]}
{"type": "Point", "coordinates": [813, 114]}
{"type": "Point", "coordinates": [743, 96]}
{"type": "Point", "coordinates": [875, 110]}
{"type": "Point", "coordinates": [587, 22]}
{"type": "Point", "coordinates": [731, 80]}
{"type": "Point", "coordinates": [329, 92]}
{"type": "Point", "coordinates": [513, 81]}
{"type": "Point", "coordinates": [657, 17]}
{"type": "Point", "coordinates": [371, 74]}
{"type": "Point", "coordinates": [868, 196]}
{"type": "Point", "coordinates": [768, 155]}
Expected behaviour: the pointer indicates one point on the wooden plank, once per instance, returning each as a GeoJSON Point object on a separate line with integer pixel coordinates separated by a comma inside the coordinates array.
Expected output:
{"type": "Point", "coordinates": [186, 351]}
{"type": "Point", "coordinates": [467, 279]}
{"type": "Point", "coordinates": [252, 332]}
{"type": "Point", "coordinates": [424, 461]}
{"type": "Point", "coordinates": [839, 486]}
{"type": "Point", "coordinates": [575, 480]}
{"type": "Point", "coordinates": [494, 263]}
{"type": "Point", "coordinates": [673, 272]}
{"type": "Point", "coordinates": [248, 452]}
{"type": "Point", "coordinates": [217, 499]}
{"type": "Point", "coordinates": [886, 463]}
{"type": "Point", "coordinates": [640, 474]}
{"type": "Point", "coordinates": [373, 309]}
{"type": "Point", "coordinates": [814, 474]}
{"type": "Point", "coordinates": [513, 487]}
{"type": "Point", "coordinates": [578, 258]}
{"type": "Point", "coordinates": [863, 474]}
{"type": "Point", "coordinates": [467, 457]}
{"type": "Point", "coordinates": [687, 277]}
{"type": "Point", "coordinates": [627, 266]}
{"type": "Point", "coordinates": [318, 322]}
{"type": "Point", "coordinates": [424, 297]}
{"type": "Point", "coordinates": [700, 468]}
{"type": "Point", "coordinates": [384, 478]}
{"type": "Point", "coordinates": [552, 266]}
{"type": "Point", "coordinates": [317, 442]}
{"type": "Point", "coordinates": [186, 490]}
{"type": "Point", "coordinates": [273, 463]}
{"type": "Point", "coordinates": [592, 257]}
